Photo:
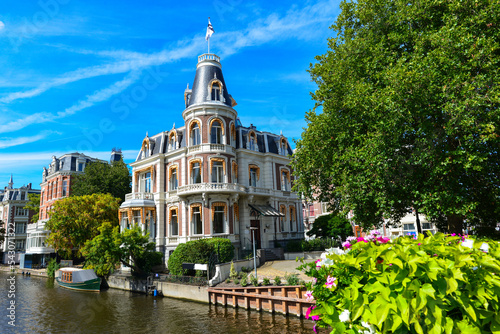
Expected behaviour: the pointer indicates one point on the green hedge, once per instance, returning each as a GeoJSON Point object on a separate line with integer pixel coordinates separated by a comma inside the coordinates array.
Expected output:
{"type": "Point", "coordinates": [198, 251]}
{"type": "Point", "coordinates": [318, 244]}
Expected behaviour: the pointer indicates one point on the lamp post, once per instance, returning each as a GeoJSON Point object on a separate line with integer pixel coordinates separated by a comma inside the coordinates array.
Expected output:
{"type": "Point", "coordinates": [254, 257]}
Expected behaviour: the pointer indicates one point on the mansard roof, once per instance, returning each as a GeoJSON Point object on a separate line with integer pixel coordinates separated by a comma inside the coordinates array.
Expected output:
{"type": "Point", "coordinates": [208, 69]}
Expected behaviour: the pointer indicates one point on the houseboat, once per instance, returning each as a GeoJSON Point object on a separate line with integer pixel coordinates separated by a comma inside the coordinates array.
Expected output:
{"type": "Point", "coordinates": [79, 279]}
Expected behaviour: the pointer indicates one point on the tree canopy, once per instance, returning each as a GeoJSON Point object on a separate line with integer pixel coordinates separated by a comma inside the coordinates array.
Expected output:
{"type": "Point", "coordinates": [103, 178]}
{"type": "Point", "coordinates": [407, 113]}
{"type": "Point", "coordinates": [110, 248]}
{"type": "Point", "coordinates": [75, 220]}
{"type": "Point", "coordinates": [331, 226]}
{"type": "Point", "coordinates": [34, 205]}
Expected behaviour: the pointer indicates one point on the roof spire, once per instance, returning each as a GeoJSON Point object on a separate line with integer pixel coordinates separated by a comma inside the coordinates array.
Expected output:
{"type": "Point", "coordinates": [11, 182]}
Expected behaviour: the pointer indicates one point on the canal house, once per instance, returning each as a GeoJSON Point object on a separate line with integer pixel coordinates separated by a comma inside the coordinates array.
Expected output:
{"type": "Point", "coordinates": [213, 176]}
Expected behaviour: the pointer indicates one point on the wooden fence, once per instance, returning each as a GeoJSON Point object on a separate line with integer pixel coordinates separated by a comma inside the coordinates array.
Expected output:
{"type": "Point", "coordinates": [280, 299]}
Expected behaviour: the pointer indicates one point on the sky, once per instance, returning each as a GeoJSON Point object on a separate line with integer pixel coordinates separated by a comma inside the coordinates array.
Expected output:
{"type": "Point", "coordinates": [90, 76]}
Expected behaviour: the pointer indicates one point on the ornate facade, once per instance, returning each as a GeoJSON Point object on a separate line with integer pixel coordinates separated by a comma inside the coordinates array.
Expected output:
{"type": "Point", "coordinates": [213, 177]}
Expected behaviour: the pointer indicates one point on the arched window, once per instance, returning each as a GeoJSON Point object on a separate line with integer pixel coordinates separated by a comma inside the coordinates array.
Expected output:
{"type": "Point", "coordinates": [219, 217]}
{"type": "Point", "coordinates": [218, 168]}
{"type": "Point", "coordinates": [171, 141]}
{"type": "Point", "coordinates": [174, 223]}
{"type": "Point", "coordinates": [252, 141]}
{"type": "Point", "coordinates": [285, 180]}
{"type": "Point", "coordinates": [235, 172]}
{"type": "Point", "coordinates": [216, 133]}
{"type": "Point", "coordinates": [253, 175]}
{"type": "Point", "coordinates": [283, 147]}
{"type": "Point", "coordinates": [283, 217]}
{"type": "Point", "coordinates": [195, 134]}
{"type": "Point", "coordinates": [195, 171]}
{"type": "Point", "coordinates": [173, 179]}
{"type": "Point", "coordinates": [293, 217]}
{"type": "Point", "coordinates": [196, 222]}
{"type": "Point", "coordinates": [216, 92]}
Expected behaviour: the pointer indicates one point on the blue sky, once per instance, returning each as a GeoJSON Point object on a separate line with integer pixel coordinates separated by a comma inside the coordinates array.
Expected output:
{"type": "Point", "coordinates": [88, 76]}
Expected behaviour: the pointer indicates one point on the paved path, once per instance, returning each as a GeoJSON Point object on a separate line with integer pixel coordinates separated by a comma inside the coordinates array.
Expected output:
{"type": "Point", "coordinates": [271, 269]}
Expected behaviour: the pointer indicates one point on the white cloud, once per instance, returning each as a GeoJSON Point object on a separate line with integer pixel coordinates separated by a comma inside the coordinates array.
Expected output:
{"type": "Point", "coordinates": [10, 142]}
{"type": "Point", "coordinates": [2, 25]}
{"type": "Point", "coordinates": [89, 101]}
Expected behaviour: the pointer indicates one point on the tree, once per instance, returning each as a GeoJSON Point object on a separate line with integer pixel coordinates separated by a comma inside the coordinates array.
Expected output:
{"type": "Point", "coordinates": [103, 178]}
{"type": "Point", "coordinates": [34, 205]}
{"type": "Point", "coordinates": [110, 248]}
{"type": "Point", "coordinates": [407, 113]}
{"type": "Point", "coordinates": [75, 220]}
{"type": "Point", "coordinates": [332, 225]}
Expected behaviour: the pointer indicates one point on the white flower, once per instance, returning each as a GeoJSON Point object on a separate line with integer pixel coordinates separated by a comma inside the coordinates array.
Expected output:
{"type": "Point", "coordinates": [468, 243]}
{"type": "Point", "coordinates": [484, 247]}
{"type": "Point", "coordinates": [344, 316]}
{"type": "Point", "coordinates": [371, 328]}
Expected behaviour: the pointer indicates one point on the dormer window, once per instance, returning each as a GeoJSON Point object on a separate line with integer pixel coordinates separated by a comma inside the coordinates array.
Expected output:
{"type": "Point", "coordinates": [171, 141]}
{"type": "Point", "coordinates": [283, 147]}
{"type": "Point", "coordinates": [216, 92]}
{"type": "Point", "coordinates": [195, 134]}
{"type": "Point", "coordinates": [216, 133]}
{"type": "Point", "coordinates": [252, 141]}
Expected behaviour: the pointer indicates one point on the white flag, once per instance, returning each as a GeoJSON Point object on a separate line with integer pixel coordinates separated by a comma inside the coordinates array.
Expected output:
{"type": "Point", "coordinates": [210, 30]}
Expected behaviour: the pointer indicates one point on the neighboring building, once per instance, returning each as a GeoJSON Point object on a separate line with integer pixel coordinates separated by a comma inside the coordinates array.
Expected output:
{"type": "Point", "coordinates": [213, 177]}
{"type": "Point", "coordinates": [311, 211]}
{"type": "Point", "coordinates": [15, 218]}
{"type": "Point", "coordinates": [56, 185]}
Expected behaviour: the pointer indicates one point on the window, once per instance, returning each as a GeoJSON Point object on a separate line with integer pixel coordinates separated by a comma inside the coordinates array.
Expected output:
{"type": "Point", "coordinates": [311, 210]}
{"type": "Point", "coordinates": [218, 212]}
{"type": "Point", "coordinates": [235, 172]}
{"type": "Point", "coordinates": [292, 218]}
{"type": "Point", "coordinates": [217, 171]}
{"type": "Point", "coordinates": [324, 207]}
{"type": "Point", "coordinates": [174, 225]}
{"type": "Point", "coordinates": [80, 167]}
{"type": "Point", "coordinates": [19, 245]}
{"type": "Point", "coordinates": [409, 227]}
{"type": "Point", "coordinates": [285, 178]}
{"type": "Point", "coordinates": [426, 226]}
{"type": "Point", "coordinates": [252, 141]}
{"type": "Point", "coordinates": [253, 177]}
{"type": "Point", "coordinates": [283, 147]}
{"type": "Point", "coordinates": [195, 135]}
{"type": "Point", "coordinates": [23, 196]}
{"type": "Point", "coordinates": [283, 217]}
{"type": "Point", "coordinates": [216, 92]}
{"type": "Point", "coordinates": [171, 142]}
{"type": "Point", "coordinates": [20, 228]}
{"type": "Point", "coordinates": [173, 178]}
{"type": "Point", "coordinates": [20, 211]}
{"type": "Point", "coordinates": [145, 182]}
{"type": "Point", "coordinates": [150, 223]}
{"type": "Point", "coordinates": [195, 172]}
{"type": "Point", "coordinates": [216, 133]}
{"type": "Point", "coordinates": [197, 226]}
{"type": "Point", "coordinates": [125, 222]}
{"type": "Point", "coordinates": [137, 218]}
{"type": "Point", "coordinates": [65, 188]}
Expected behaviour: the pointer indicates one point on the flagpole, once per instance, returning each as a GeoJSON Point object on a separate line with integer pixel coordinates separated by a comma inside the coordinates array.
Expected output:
{"type": "Point", "coordinates": [209, 45]}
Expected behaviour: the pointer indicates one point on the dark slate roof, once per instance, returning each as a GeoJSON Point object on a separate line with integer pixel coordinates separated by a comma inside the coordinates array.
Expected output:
{"type": "Point", "coordinates": [199, 92]}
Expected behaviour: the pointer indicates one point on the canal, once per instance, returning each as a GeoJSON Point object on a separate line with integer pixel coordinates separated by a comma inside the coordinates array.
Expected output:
{"type": "Point", "coordinates": [41, 306]}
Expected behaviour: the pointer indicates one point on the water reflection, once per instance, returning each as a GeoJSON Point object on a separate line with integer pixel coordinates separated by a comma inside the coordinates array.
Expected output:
{"type": "Point", "coordinates": [43, 307]}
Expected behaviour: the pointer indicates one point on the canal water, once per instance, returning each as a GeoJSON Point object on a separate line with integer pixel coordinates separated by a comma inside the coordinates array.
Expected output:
{"type": "Point", "coordinates": [41, 306]}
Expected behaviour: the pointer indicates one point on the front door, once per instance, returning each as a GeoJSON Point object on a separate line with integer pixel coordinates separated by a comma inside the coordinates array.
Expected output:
{"type": "Point", "coordinates": [255, 223]}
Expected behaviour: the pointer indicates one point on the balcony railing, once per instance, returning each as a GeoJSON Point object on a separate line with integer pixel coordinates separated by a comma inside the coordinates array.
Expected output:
{"type": "Point", "coordinates": [256, 190]}
{"type": "Point", "coordinates": [211, 148]}
{"type": "Point", "coordinates": [204, 187]}
{"type": "Point", "coordinates": [131, 196]}
{"type": "Point", "coordinates": [208, 56]}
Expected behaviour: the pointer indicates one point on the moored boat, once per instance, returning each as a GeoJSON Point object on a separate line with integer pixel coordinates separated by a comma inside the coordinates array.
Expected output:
{"type": "Point", "coordinates": [79, 279]}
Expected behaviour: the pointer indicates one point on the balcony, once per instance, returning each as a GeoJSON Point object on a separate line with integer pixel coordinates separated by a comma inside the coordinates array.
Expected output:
{"type": "Point", "coordinates": [207, 148]}
{"type": "Point", "coordinates": [145, 196]}
{"type": "Point", "coordinates": [259, 191]}
{"type": "Point", "coordinates": [210, 187]}
{"type": "Point", "coordinates": [208, 56]}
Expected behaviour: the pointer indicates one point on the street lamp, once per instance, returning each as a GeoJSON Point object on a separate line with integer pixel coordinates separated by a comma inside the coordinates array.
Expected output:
{"type": "Point", "coordinates": [253, 242]}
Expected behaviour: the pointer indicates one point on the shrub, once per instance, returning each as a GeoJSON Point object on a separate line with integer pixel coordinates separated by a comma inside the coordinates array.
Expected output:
{"type": "Point", "coordinates": [228, 280]}
{"type": "Point", "coordinates": [236, 281]}
{"type": "Point", "coordinates": [292, 279]}
{"type": "Point", "coordinates": [435, 284]}
{"type": "Point", "coordinates": [266, 281]}
{"type": "Point", "coordinates": [199, 251]}
{"type": "Point", "coordinates": [277, 281]}
{"type": "Point", "coordinates": [294, 246]}
{"type": "Point", "coordinates": [244, 281]}
{"type": "Point", "coordinates": [232, 273]}
{"type": "Point", "coordinates": [254, 280]}
{"type": "Point", "coordinates": [52, 267]}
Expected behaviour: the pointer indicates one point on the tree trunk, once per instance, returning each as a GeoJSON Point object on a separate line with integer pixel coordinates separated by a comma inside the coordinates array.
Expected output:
{"type": "Point", "coordinates": [455, 223]}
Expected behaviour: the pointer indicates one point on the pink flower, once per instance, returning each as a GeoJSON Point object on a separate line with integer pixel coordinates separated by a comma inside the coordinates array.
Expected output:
{"type": "Point", "coordinates": [330, 282]}
{"type": "Point", "coordinates": [419, 243]}
{"type": "Point", "coordinates": [346, 245]}
{"type": "Point", "coordinates": [315, 280]}
{"type": "Point", "coordinates": [318, 263]}
{"type": "Point", "coordinates": [453, 234]}
{"type": "Point", "coordinates": [361, 239]}
{"type": "Point", "coordinates": [383, 240]}
{"type": "Point", "coordinates": [309, 296]}
{"type": "Point", "coordinates": [314, 329]}
{"type": "Point", "coordinates": [309, 309]}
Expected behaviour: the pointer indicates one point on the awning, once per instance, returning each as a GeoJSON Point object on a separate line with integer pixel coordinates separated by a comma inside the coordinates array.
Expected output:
{"type": "Point", "coordinates": [266, 210]}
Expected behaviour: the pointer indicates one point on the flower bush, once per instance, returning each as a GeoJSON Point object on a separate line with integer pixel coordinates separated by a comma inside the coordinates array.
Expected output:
{"type": "Point", "coordinates": [438, 284]}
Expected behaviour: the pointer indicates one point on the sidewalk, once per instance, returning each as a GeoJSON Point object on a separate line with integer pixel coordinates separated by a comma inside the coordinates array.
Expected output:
{"type": "Point", "coordinates": [271, 269]}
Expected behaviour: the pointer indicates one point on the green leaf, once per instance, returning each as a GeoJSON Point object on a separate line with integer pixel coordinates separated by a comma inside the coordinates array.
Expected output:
{"type": "Point", "coordinates": [428, 289]}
